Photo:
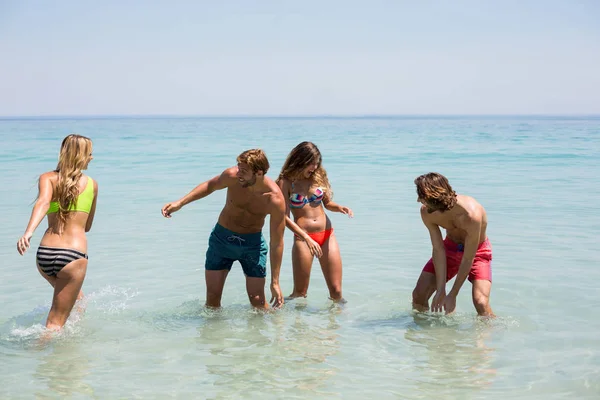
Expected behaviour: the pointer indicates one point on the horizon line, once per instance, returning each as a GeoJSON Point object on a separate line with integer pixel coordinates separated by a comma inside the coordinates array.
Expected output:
{"type": "Point", "coordinates": [282, 116]}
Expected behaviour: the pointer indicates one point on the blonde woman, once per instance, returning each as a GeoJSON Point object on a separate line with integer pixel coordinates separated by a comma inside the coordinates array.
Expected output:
{"type": "Point", "coordinates": [305, 185]}
{"type": "Point", "coordinates": [68, 198]}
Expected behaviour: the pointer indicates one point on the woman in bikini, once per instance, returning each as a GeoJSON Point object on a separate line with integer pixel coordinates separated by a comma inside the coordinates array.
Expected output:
{"type": "Point", "coordinates": [304, 183]}
{"type": "Point", "coordinates": [68, 198]}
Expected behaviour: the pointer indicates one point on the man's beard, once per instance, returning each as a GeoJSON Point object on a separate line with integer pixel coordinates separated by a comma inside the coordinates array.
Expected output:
{"type": "Point", "coordinates": [249, 183]}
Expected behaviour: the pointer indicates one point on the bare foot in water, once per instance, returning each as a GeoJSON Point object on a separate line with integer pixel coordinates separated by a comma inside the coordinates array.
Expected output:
{"type": "Point", "coordinates": [294, 296]}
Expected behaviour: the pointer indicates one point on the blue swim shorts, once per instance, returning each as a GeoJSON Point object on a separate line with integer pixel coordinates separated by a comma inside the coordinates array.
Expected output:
{"type": "Point", "coordinates": [225, 247]}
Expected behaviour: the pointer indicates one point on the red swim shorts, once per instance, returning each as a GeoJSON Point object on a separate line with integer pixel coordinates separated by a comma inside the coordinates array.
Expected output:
{"type": "Point", "coordinates": [482, 263]}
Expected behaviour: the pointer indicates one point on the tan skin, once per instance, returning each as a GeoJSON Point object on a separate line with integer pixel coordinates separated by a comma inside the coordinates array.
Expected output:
{"type": "Point", "coordinates": [250, 198]}
{"type": "Point", "coordinates": [68, 282]}
{"type": "Point", "coordinates": [308, 219]}
{"type": "Point", "coordinates": [465, 224]}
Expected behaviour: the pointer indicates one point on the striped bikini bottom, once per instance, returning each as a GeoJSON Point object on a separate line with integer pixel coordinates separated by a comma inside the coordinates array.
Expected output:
{"type": "Point", "coordinates": [52, 259]}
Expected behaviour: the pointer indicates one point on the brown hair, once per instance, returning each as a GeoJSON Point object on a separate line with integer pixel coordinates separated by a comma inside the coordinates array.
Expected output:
{"type": "Point", "coordinates": [434, 189]}
{"type": "Point", "coordinates": [256, 160]}
{"type": "Point", "coordinates": [301, 156]}
{"type": "Point", "coordinates": [75, 153]}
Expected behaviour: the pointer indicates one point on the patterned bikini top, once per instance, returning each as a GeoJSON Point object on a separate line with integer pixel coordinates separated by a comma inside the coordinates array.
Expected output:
{"type": "Point", "coordinates": [298, 200]}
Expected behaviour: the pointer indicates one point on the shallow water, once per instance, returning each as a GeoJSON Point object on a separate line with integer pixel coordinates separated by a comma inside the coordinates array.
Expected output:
{"type": "Point", "coordinates": [145, 333]}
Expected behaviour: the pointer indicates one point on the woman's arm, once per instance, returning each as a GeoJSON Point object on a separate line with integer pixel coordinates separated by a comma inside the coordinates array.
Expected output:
{"type": "Point", "coordinates": [90, 220]}
{"type": "Point", "coordinates": [335, 207]}
{"type": "Point", "coordinates": [38, 213]}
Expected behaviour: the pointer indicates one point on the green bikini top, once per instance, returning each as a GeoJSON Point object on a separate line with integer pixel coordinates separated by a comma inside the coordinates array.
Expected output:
{"type": "Point", "coordinates": [83, 202]}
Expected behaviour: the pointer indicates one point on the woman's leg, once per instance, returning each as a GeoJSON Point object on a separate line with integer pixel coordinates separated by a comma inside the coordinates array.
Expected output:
{"type": "Point", "coordinates": [52, 281]}
{"type": "Point", "coordinates": [302, 261]}
{"type": "Point", "coordinates": [67, 289]}
{"type": "Point", "coordinates": [331, 264]}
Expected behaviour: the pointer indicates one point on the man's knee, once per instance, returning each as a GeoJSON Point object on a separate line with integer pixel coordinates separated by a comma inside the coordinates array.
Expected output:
{"type": "Point", "coordinates": [480, 301]}
{"type": "Point", "coordinates": [419, 296]}
{"type": "Point", "coordinates": [256, 299]}
{"type": "Point", "coordinates": [481, 294]}
{"type": "Point", "coordinates": [424, 288]}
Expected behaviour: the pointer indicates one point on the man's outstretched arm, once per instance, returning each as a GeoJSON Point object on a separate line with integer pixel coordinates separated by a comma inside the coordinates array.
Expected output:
{"type": "Point", "coordinates": [218, 182]}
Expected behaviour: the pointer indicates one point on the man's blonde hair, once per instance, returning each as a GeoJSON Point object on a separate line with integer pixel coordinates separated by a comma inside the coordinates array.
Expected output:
{"type": "Point", "coordinates": [256, 160]}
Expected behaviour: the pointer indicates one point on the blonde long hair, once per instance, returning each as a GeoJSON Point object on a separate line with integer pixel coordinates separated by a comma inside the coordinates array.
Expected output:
{"type": "Point", "coordinates": [301, 156]}
{"type": "Point", "coordinates": [75, 153]}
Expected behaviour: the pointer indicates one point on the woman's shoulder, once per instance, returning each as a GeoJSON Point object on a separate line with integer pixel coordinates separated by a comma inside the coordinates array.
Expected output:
{"type": "Point", "coordinates": [90, 179]}
{"type": "Point", "coordinates": [283, 182]}
{"type": "Point", "coordinates": [51, 176]}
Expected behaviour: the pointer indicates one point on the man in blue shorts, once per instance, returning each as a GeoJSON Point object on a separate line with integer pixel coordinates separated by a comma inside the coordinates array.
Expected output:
{"type": "Point", "coordinates": [237, 236]}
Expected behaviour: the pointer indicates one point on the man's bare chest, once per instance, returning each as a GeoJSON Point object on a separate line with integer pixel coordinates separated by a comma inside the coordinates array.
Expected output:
{"type": "Point", "coordinates": [254, 205]}
{"type": "Point", "coordinates": [448, 224]}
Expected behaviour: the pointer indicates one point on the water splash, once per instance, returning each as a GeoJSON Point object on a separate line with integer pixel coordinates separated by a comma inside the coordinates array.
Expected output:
{"type": "Point", "coordinates": [111, 299]}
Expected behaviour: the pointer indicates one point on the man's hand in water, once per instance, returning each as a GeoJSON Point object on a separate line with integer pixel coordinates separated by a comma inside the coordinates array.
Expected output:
{"type": "Point", "coordinates": [438, 300]}
{"type": "Point", "coordinates": [450, 303]}
{"type": "Point", "coordinates": [276, 296]}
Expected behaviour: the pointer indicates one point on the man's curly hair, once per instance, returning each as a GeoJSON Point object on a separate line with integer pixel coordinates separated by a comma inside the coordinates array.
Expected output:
{"type": "Point", "coordinates": [434, 189]}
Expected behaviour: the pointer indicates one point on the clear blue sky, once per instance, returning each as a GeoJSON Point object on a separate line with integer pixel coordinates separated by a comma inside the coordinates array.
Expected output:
{"type": "Point", "coordinates": [282, 57]}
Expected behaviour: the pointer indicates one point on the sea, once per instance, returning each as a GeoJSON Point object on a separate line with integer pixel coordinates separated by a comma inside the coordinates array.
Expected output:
{"type": "Point", "coordinates": [144, 332]}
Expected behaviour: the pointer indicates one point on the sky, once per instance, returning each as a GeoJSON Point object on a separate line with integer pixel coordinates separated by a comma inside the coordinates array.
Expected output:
{"type": "Point", "coordinates": [280, 57]}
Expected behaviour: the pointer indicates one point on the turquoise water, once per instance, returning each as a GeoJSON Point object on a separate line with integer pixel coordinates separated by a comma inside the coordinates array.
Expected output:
{"type": "Point", "coordinates": [145, 333]}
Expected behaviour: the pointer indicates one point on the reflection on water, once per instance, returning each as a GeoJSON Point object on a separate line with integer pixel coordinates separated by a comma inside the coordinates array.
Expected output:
{"type": "Point", "coordinates": [312, 346]}
{"type": "Point", "coordinates": [277, 354]}
{"type": "Point", "coordinates": [456, 354]}
{"type": "Point", "coordinates": [62, 371]}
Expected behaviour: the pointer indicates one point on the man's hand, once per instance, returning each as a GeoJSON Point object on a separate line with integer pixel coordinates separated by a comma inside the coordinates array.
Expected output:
{"type": "Point", "coordinates": [170, 208]}
{"type": "Point", "coordinates": [438, 300]}
{"type": "Point", "coordinates": [450, 303]}
{"type": "Point", "coordinates": [276, 296]}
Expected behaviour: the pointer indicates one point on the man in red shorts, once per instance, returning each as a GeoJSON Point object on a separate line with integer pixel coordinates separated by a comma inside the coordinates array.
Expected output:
{"type": "Point", "coordinates": [466, 251]}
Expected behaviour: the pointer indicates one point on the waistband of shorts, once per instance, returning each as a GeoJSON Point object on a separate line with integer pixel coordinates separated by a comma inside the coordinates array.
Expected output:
{"type": "Point", "coordinates": [449, 244]}
{"type": "Point", "coordinates": [242, 238]}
